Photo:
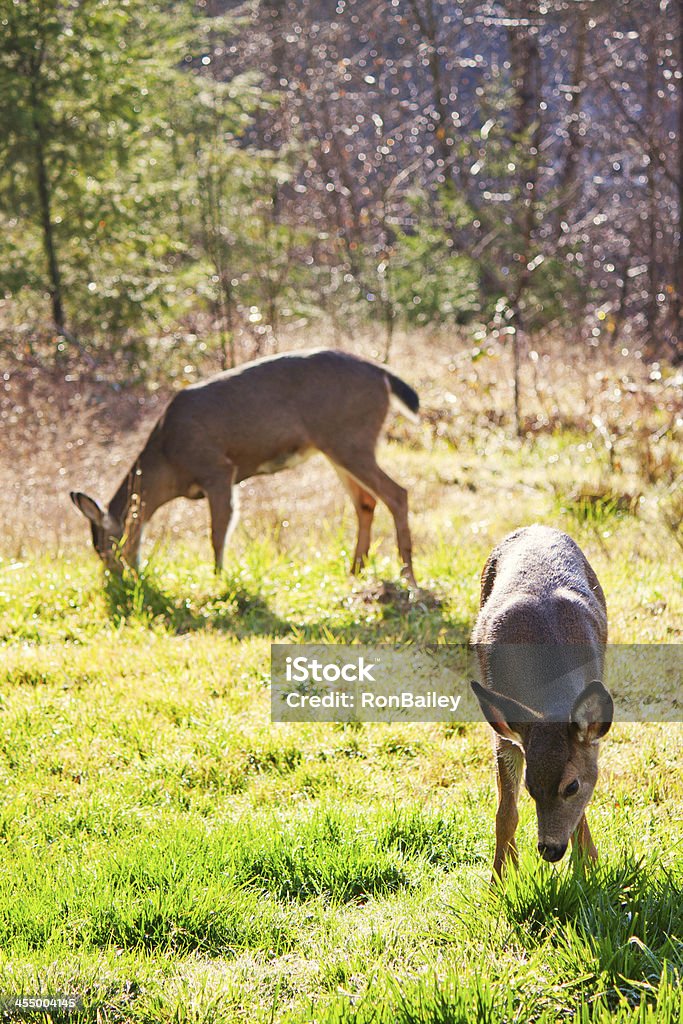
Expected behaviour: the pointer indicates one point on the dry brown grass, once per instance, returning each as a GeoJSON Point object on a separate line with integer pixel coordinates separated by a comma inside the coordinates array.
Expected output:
{"type": "Point", "coordinates": [78, 427]}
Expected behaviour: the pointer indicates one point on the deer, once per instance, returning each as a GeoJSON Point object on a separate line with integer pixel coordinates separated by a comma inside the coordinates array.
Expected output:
{"type": "Point", "coordinates": [260, 418]}
{"type": "Point", "coordinates": [540, 639]}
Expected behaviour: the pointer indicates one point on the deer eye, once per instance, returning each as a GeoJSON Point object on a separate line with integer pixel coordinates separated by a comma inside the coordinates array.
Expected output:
{"type": "Point", "coordinates": [572, 788]}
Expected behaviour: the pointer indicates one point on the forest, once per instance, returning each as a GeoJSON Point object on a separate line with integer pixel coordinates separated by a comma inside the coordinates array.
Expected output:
{"type": "Point", "coordinates": [220, 175]}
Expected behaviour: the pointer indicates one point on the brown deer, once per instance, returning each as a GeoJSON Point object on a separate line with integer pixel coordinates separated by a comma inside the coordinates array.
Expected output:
{"type": "Point", "coordinates": [258, 419]}
{"type": "Point", "coordinates": [540, 639]}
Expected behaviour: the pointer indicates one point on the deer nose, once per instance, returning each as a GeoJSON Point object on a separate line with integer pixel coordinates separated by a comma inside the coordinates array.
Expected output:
{"type": "Point", "coordinates": [551, 851]}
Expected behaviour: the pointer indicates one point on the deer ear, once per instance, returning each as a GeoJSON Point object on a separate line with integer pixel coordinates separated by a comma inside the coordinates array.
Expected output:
{"type": "Point", "coordinates": [592, 713]}
{"type": "Point", "coordinates": [89, 507]}
{"type": "Point", "coordinates": [503, 714]}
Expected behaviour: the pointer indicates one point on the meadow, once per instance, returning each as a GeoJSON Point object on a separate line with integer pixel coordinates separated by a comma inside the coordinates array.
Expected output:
{"type": "Point", "coordinates": [170, 855]}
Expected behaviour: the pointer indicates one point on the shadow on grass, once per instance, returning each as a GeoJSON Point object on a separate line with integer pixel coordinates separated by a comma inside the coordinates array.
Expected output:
{"type": "Point", "coordinates": [236, 610]}
{"type": "Point", "coordinates": [242, 612]}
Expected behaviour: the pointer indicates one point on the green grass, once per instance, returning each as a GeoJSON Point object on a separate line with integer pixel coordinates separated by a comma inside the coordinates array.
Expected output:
{"type": "Point", "coordinates": [170, 855]}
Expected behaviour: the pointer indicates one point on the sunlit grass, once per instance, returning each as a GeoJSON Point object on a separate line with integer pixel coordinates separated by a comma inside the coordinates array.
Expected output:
{"type": "Point", "coordinates": [171, 855]}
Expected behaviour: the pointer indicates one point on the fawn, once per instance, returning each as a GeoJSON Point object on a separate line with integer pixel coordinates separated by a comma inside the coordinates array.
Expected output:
{"type": "Point", "coordinates": [540, 638]}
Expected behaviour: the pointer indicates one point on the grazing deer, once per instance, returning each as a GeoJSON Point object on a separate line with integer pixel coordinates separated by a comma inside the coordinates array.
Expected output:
{"type": "Point", "coordinates": [540, 636]}
{"type": "Point", "coordinates": [258, 419]}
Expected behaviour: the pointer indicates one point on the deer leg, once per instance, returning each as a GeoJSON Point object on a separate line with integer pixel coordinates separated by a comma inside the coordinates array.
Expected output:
{"type": "Point", "coordinates": [509, 766]}
{"type": "Point", "coordinates": [219, 492]}
{"type": "Point", "coordinates": [582, 840]}
{"type": "Point", "coordinates": [370, 477]}
{"type": "Point", "coordinates": [130, 547]}
{"type": "Point", "coordinates": [364, 504]}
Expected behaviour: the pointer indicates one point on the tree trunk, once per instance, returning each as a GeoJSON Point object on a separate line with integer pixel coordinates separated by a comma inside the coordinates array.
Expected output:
{"type": "Point", "coordinates": [678, 287]}
{"type": "Point", "coordinates": [525, 65]}
{"type": "Point", "coordinates": [428, 21]}
{"type": "Point", "coordinates": [515, 376]}
{"type": "Point", "coordinates": [525, 62]}
{"type": "Point", "coordinates": [652, 272]}
{"type": "Point", "coordinates": [569, 172]}
{"type": "Point", "coordinates": [45, 204]}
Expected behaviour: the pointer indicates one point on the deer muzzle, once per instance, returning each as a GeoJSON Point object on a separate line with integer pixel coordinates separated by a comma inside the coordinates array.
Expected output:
{"type": "Point", "coordinates": [552, 852]}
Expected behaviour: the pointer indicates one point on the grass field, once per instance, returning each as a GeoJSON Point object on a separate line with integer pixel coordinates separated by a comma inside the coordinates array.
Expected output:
{"type": "Point", "coordinates": [170, 855]}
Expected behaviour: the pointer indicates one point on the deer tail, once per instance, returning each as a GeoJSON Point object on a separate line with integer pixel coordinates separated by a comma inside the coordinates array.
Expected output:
{"type": "Point", "coordinates": [406, 396]}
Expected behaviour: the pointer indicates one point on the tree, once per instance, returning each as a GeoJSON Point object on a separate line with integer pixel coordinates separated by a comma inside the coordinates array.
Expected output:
{"type": "Point", "coordinates": [78, 95]}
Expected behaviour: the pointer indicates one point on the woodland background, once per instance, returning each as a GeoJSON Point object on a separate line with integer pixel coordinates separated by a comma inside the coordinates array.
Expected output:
{"type": "Point", "coordinates": [201, 176]}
